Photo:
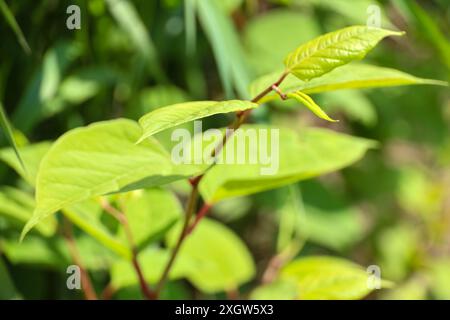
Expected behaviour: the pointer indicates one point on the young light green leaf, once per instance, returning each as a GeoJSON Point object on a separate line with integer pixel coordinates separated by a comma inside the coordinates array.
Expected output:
{"type": "Point", "coordinates": [99, 159]}
{"type": "Point", "coordinates": [32, 155]}
{"type": "Point", "coordinates": [334, 49]}
{"type": "Point", "coordinates": [353, 76]}
{"type": "Point", "coordinates": [293, 157]}
{"type": "Point", "coordinates": [11, 20]}
{"type": "Point", "coordinates": [6, 126]}
{"type": "Point", "coordinates": [308, 102]}
{"type": "Point", "coordinates": [222, 261]}
{"type": "Point", "coordinates": [328, 278]}
{"type": "Point", "coordinates": [150, 214]}
{"type": "Point", "coordinates": [171, 116]}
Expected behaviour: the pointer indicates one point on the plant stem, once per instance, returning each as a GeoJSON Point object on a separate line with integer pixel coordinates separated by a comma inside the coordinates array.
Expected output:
{"type": "Point", "coordinates": [86, 284]}
{"type": "Point", "coordinates": [108, 292]}
{"type": "Point", "coordinates": [273, 267]}
{"type": "Point", "coordinates": [190, 208]}
{"type": "Point", "coordinates": [201, 213]}
{"type": "Point", "coordinates": [270, 88]}
{"type": "Point", "coordinates": [122, 218]}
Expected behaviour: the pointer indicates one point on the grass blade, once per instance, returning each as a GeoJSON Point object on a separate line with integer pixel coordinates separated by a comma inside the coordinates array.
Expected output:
{"type": "Point", "coordinates": [226, 47]}
{"type": "Point", "coordinates": [9, 17]}
{"type": "Point", "coordinates": [4, 123]}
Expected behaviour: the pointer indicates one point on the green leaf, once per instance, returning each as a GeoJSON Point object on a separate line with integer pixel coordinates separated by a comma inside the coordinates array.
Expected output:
{"type": "Point", "coordinates": [277, 290]}
{"type": "Point", "coordinates": [86, 215]}
{"type": "Point", "coordinates": [37, 251]}
{"type": "Point", "coordinates": [171, 116]}
{"type": "Point", "coordinates": [334, 49]}
{"type": "Point", "coordinates": [308, 102]}
{"type": "Point", "coordinates": [150, 214]}
{"type": "Point", "coordinates": [222, 261]}
{"type": "Point", "coordinates": [328, 278]}
{"type": "Point", "coordinates": [18, 206]}
{"type": "Point", "coordinates": [11, 20]}
{"type": "Point", "coordinates": [6, 126]}
{"type": "Point", "coordinates": [353, 76]}
{"type": "Point", "coordinates": [54, 253]}
{"type": "Point", "coordinates": [293, 156]}
{"type": "Point", "coordinates": [99, 159]}
{"type": "Point", "coordinates": [31, 154]}
{"type": "Point", "coordinates": [358, 76]}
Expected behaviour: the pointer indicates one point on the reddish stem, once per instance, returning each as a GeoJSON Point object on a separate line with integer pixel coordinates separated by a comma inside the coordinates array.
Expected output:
{"type": "Point", "coordinates": [200, 215]}
{"type": "Point", "coordinates": [240, 119]}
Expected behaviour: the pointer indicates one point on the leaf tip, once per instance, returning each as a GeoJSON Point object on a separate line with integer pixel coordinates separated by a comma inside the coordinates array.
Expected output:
{"type": "Point", "coordinates": [25, 230]}
{"type": "Point", "coordinates": [142, 138]}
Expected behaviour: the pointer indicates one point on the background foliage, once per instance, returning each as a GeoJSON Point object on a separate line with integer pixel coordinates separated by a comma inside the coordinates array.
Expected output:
{"type": "Point", "coordinates": [391, 209]}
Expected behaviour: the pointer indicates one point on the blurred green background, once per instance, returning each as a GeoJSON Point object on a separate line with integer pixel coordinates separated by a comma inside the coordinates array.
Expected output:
{"type": "Point", "coordinates": [391, 209]}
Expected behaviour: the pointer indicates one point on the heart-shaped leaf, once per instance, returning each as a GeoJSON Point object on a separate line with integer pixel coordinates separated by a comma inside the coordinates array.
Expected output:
{"type": "Point", "coordinates": [99, 159]}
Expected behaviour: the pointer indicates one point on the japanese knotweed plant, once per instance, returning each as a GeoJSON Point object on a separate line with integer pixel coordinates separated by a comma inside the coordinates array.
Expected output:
{"type": "Point", "coordinates": [118, 167]}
